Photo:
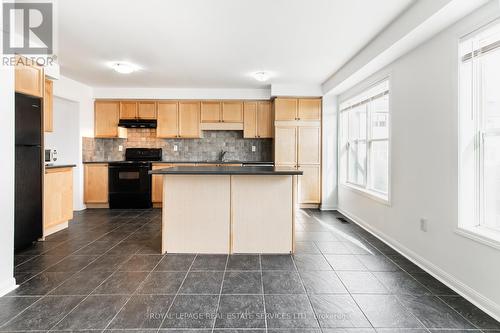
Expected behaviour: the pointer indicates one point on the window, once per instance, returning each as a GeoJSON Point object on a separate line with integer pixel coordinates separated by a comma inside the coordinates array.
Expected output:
{"type": "Point", "coordinates": [365, 140]}
{"type": "Point", "coordinates": [480, 130]}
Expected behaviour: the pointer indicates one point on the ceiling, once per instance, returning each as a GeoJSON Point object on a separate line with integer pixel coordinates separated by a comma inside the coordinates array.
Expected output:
{"type": "Point", "coordinates": [215, 43]}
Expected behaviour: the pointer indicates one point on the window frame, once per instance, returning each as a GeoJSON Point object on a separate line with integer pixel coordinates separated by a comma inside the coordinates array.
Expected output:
{"type": "Point", "coordinates": [345, 143]}
{"type": "Point", "coordinates": [476, 229]}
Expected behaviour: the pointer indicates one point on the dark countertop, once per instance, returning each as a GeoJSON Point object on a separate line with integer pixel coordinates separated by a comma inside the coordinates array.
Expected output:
{"type": "Point", "coordinates": [227, 170]}
{"type": "Point", "coordinates": [191, 162]}
{"type": "Point", "coordinates": [58, 166]}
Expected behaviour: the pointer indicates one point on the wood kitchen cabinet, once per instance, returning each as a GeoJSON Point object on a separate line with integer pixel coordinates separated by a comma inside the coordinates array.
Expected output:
{"type": "Point", "coordinates": [222, 112]}
{"type": "Point", "coordinates": [128, 110]}
{"type": "Point", "coordinates": [48, 107]}
{"type": "Point", "coordinates": [285, 146]}
{"type": "Point", "coordinates": [257, 120]}
{"type": "Point", "coordinates": [57, 199]}
{"type": "Point", "coordinates": [29, 77]}
{"type": "Point", "coordinates": [146, 110]}
{"type": "Point", "coordinates": [106, 117]}
{"type": "Point", "coordinates": [157, 185]}
{"type": "Point", "coordinates": [211, 112]}
{"type": "Point", "coordinates": [297, 109]}
{"type": "Point", "coordinates": [189, 120]}
{"type": "Point", "coordinates": [96, 183]}
{"type": "Point", "coordinates": [299, 146]}
{"type": "Point", "coordinates": [232, 112]}
{"type": "Point", "coordinates": [178, 119]}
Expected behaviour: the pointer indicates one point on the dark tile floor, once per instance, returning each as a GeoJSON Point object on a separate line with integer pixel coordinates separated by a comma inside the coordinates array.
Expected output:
{"type": "Point", "coordinates": [104, 273]}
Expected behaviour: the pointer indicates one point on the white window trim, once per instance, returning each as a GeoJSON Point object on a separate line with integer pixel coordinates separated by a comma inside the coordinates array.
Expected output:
{"type": "Point", "coordinates": [475, 231]}
{"type": "Point", "coordinates": [383, 198]}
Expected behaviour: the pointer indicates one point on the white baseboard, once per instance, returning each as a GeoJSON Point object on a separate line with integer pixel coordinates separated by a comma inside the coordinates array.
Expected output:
{"type": "Point", "coordinates": [7, 286]}
{"type": "Point", "coordinates": [479, 300]}
{"type": "Point", "coordinates": [327, 208]}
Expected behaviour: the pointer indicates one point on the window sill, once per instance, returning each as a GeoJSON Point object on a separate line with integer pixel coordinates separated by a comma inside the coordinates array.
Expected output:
{"type": "Point", "coordinates": [369, 194]}
{"type": "Point", "coordinates": [482, 235]}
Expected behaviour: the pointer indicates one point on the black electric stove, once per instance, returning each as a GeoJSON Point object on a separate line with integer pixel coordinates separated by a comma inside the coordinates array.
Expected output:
{"type": "Point", "coordinates": [130, 181]}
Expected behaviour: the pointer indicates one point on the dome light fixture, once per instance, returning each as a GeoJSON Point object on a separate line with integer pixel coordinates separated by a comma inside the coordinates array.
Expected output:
{"type": "Point", "coordinates": [261, 76]}
{"type": "Point", "coordinates": [123, 67]}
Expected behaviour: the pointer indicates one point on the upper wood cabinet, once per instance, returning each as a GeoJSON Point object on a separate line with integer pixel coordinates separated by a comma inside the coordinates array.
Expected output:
{"type": "Point", "coordinates": [189, 120]}
{"type": "Point", "coordinates": [137, 110]}
{"type": "Point", "coordinates": [178, 119]}
{"type": "Point", "coordinates": [211, 112]}
{"type": "Point", "coordinates": [285, 108]}
{"type": "Point", "coordinates": [106, 117]}
{"type": "Point", "coordinates": [264, 120]}
{"type": "Point", "coordinates": [128, 110]}
{"type": "Point", "coordinates": [250, 120]}
{"type": "Point", "coordinates": [146, 110]}
{"type": "Point", "coordinates": [29, 77]}
{"type": "Point", "coordinates": [96, 183]}
{"type": "Point", "coordinates": [222, 112]}
{"type": "Point", "coordinates": [290, 109]}
{"type": "Point", "coordinates": [232, 112]}
{"type": "Point", "coordinates": [48, 107]}
{"type": "Point", "coordinates": [168, 119]}
{"type": "Point", "coordinates": [309, 109]}
{"type": "Point", "coordinates": [257, 120]}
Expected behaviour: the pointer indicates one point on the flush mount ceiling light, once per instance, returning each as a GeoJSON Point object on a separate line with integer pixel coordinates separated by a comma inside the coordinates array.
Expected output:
{"type": "Point", "coordinates": [123, 67]}
{"type": "Point", "coordinates": [261, 76]}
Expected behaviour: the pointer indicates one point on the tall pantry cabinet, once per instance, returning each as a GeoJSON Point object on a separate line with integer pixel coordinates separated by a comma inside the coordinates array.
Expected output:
{"type": "Point", "coordinates": [297, 143]}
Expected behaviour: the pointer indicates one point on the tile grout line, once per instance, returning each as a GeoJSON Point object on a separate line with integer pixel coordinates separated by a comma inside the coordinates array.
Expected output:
{"type": "Point", "coordinates": [306, 294]}
{"type": "Point", "coordinates": [263, 293]}
{"type": "Point", "coordinates": [220, 294]}
{"type": "Point", "coordinates": [176, 294]}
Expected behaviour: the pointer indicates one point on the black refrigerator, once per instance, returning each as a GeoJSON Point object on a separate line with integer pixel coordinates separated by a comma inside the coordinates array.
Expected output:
{"type": "Point", "coordinates": [28, 171]}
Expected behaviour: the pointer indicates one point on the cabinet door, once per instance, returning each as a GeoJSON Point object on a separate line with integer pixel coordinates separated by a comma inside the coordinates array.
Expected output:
{"type": "Point", "coordinates": [189, 119]}
{"type": "Point", "coordinates": [309, 109]}
{"type": "Point", "coordinates": [168, 120]}
{"type": "Point", "coordinates": [48, 107]}
{"type": "Point", "coordinates": [146, 110]}
{"type": "Point", "coordinates": [285, 145]}
{"type": "Point", "coordinates": [210, 112]}
{"type": "Point", "coordinates": [285, 108]}
{"type": "Point", "coordinates": [310, 184]}
{"type": "Point", "coordinates": [96, 183]}
{"type": "Point", "coordinates": [250, 119]}
{"type": "Point", "coordinates": [264, 120]}
{"type": "Point", "coordinates": [157, 186]}
{"type": "Point", "coordinates": [128, 110]}
{"type": "Point", "coordinates": [58, 197]}
{"type": "Point", "coordinates": [309, 145]}
{"type": "Point", "coordinates": [107, 114]}
{"type": "Point", "coordinates": [232, 112]}
{"type": "Point", "coordinates": [29, 78]}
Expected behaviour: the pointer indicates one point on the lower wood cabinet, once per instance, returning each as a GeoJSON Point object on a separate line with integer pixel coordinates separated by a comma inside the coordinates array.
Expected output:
{"type": "Point", "coordinates": [58, 199]}
{"type": "Point", "coordinates": [157, 185]}
{"type": "Point", "coordinates": [96, 183]}
{"type": "Point", "coordinates": [309, 191]}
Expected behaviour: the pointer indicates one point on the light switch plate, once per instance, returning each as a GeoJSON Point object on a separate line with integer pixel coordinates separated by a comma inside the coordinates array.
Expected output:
{"type": "Point", "coordinates": [254, 149]}
{"type": "Point", "coordinates": [176, 148]}
{"type": "Point", "coordinates": [120, 148]}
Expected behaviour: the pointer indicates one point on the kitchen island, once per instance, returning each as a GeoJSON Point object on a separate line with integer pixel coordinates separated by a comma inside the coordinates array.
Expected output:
{"type": "Point", "coordinates": [228, 209]}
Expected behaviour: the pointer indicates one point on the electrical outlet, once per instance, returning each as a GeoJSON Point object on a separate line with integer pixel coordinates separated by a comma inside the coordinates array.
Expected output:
{"type": "Point", "coordinates": [176, 148]}
{"type": "Point", "coordinates": [423, 225]}
{"type": "Point", "coordinates": [254, 149]}
{"type": "Point", "coordinates": [120, 148]}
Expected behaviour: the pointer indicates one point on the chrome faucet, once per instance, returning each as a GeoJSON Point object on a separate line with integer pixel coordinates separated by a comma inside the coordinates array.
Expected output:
{"type": "Point", "coordinates": [221, 155]}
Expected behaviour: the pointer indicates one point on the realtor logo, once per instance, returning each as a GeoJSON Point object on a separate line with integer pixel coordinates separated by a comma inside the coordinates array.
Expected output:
{"type": "Point", "coordinates": [27, 28]}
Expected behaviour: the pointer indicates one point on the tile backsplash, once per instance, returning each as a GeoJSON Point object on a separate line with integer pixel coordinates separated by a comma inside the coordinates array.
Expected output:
{"type": "Point", "coordinates": [206, 148]}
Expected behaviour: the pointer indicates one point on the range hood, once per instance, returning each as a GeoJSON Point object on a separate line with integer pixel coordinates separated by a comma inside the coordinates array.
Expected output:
{"type": "Point", "coordinates": [137, 123]}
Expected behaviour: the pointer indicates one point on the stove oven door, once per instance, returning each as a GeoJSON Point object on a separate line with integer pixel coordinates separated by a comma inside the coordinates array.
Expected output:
{"type": "Point", "coordinates": [129, 186]}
